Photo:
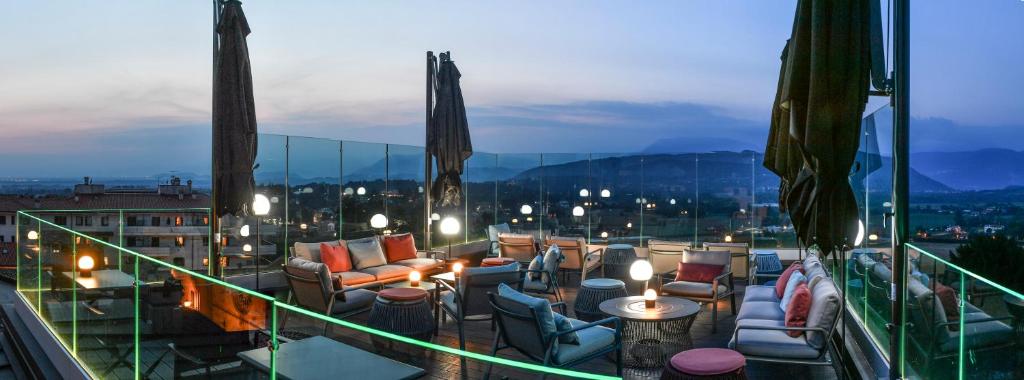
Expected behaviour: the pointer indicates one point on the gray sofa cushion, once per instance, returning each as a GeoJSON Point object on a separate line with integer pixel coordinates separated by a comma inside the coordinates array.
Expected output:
{"type": "Point", "coordinates": [311, 251]}
{"type": "Point", "coordinates": [590, 340]}
{"type": "Point", "coordinates": [552, 258]}
{"type": "Point", "coordinates": [366, 253]}
{"type": "Point", "coordinates": [760, 293]}
{"type": "Point", "coordinates": [354, 300]}
{"type": "Point", "coordinates": [815, 269]}
{"type": "Point", "coordinates": [824, 311]}
{"type": "Point", "coordinates": [691, 289]}
{"type": "Point", "coordinates": [979, 334]}
{"type": "Point", "coordinates": [770, 343]}
{"type": "Point", "coordinates": [388, 272]}
{"type": "Point", "coordinates": [713, 257]}
{"type": "Point", "coordinates": [421, 264]}
{"type": "Point", "coordinates": [761, 310]}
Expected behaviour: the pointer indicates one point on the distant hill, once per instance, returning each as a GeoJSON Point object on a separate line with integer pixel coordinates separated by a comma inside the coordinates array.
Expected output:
{"type": "Point", "coordinates": [985, 169]}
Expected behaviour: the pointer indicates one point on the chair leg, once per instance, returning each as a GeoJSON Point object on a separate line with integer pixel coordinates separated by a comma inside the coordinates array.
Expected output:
{"type": "Point", "coordinates": [618, 361]}
{"type": "Point", "coordinates": [494, 352]}
{"type": "Point", "coordinates": [732, 300]}
{"type": "Point", "coordinates": [462, 336]}
{"type": "Point", "coordinates": [714, 316]}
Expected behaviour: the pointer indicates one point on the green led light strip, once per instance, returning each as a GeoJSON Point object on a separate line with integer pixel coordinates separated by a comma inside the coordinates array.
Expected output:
{"type": "Point", "coordinates": [967, 272]}
{"type": "Point", "coordinates": [276, 304]}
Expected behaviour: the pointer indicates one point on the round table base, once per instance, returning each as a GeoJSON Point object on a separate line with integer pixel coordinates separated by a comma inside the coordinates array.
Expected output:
{"type": "Point", "coordinates": [588, 301]}
{"type": "Point", "coordinates": [412, 319]}
{"type": "Point", "coordinates": [648, 344]}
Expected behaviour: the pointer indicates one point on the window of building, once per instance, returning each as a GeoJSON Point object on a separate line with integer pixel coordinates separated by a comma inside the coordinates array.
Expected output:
{"type": "Point", "coordinates": [206, 241]}
{"type": "Point", "coordinates": [155, 221]}
{"type": "Point", "coordinates": [60, 220]}
{"type": "Point", "coordinates": [3, 219]}
{"type": "Point", "coordinates": [104, 221]}
{"type": "Point", "coordinates": [179, 221]}
{"type": "Point", "coordinates": [154, 242]}
{"type": "Point", "coordinates": [179, 241]}
{"type": "Point", "coordinates": [132, 221]}
{"type": "Point", "coordinates": [1, 238]}
{"type": "Point", "coordinates": [131, 241]}
{"type": "Point", "coordinates": [83, 220]}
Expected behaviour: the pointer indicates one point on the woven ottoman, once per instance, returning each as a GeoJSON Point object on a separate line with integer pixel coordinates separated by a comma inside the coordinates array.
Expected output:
{"type": "Point", "coordinates": [592, 293]}
{"type": "Point", "coordinates": [403, 311]}
{"type": "Point", "coordinates": [706, 363]}
{"type": "Point", "coordinates": [496, 261]}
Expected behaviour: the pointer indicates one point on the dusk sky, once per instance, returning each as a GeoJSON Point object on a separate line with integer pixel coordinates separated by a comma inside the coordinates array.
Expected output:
{"type": "Point", "coordinates": [123, 87]}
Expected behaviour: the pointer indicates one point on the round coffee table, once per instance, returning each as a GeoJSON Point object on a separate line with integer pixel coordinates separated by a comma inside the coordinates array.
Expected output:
{"type": "Point", "coordinates": [651, 336]}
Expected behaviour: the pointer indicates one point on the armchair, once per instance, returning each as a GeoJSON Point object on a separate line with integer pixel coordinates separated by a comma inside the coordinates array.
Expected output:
{"type": "Point", "coordinates": [311, 286]}
{"type": "Point", "coordinates": [665, 255]}
{"type": "Point", "coordinates": [520, 327]}
{"type": "Point", "coordinates": [493, 231]}
{"type": "Point", "coordinates": [467, 299]}
{"type": "Point", "coordinates": [517, 246]}
{"type": "Point", "coordinates": [718, 288]}
{"type": "Point", "coordinates": [578, 257]}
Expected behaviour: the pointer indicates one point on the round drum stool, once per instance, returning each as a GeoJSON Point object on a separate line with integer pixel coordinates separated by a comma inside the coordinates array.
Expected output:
{"type": "Point", "coordinates": [403, 311]}
{"type": "Point", "coordinates": [496, 261]}
{"type": "Point", "coordinates": [592, 293]}
{"type": "Point", "coordinates": [706, 363]}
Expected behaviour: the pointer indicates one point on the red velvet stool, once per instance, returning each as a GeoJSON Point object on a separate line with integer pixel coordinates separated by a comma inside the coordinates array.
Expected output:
{"type": "Point", "coordinates": [496, 261]}
{"type": "Point", "coordinates": [706, 363]}
{"type": "Point", "coordinates": [403, 311]}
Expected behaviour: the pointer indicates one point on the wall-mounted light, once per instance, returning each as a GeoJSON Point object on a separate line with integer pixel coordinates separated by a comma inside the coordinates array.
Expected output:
{"type": "Point", "coordinates": [584, 193]}
{"type": "Point", "coordinates": [606, 193]}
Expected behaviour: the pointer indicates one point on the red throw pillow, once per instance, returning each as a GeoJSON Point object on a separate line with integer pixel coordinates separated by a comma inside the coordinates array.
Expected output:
{"type": "Point", "coordinates": [798, 308]}
{"type": "Point", "coordinates": [694, 272]}
{"type": "Point", "coordinates": [399, 247]}
{"type": "Point", "coordinates": [336, 257]}
{"type": "Point", "coordinates": [780, 284]}
{"type": "Point", "coordinates": [950, 305]}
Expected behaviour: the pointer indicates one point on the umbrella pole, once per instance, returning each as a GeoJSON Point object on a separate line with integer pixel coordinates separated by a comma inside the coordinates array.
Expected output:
{"type": "Point", "coordinates": [214, 269]}
{"type": "Point", "coordinates": [427, 164]}
{"type": "Point", "coordinates": [900, 181]}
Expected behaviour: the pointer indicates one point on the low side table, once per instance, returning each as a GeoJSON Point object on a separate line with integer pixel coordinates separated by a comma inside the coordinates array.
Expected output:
{"type": "Point", "coordinates": [651, 336]}
{"type": "Point", "coordinates": [594, 291]}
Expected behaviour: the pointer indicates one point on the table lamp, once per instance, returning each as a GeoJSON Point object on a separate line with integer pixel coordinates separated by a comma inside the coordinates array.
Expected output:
{"type": "Point", "coordinates": [650, 297]}
{"type": "Point", "coordinates": [414, 278]}
{"type": "Point", "coordinates": [641, 270]}
{"type": "Point", "coordinates": [85, 265]}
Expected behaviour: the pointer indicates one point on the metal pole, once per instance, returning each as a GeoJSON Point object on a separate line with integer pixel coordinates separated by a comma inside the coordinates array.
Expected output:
{"type": "Point", "coordinates": [900, 180]}
{"type": "Point", "coordinates": [214, 174]}
{"type": "Point", "coordinates": [427, 164]}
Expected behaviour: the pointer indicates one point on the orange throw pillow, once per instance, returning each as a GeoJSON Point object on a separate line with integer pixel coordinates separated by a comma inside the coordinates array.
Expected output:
{"type": "Point", "coordinates": [780, 285]}
{"type": "Point", "coordinates": [335, 257]}
{"type": "Point", "coordinates": [798, 308]}
{"type": "Point", "coordinates": [399, 247]}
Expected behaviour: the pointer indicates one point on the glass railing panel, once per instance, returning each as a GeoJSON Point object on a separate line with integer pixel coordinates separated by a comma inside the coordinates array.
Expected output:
{"type": "Point", "coordinates": [364, 187]}
{"type": "Point", "coordinates": [314, 172]}
{"type": "Point", "coordinates": [196, 326]}
{"type": "Point", "coordinates": [106, 307]}
{"type": "Point", "coordinates": [405, 190]}
{"type": "Point", "coordinates": [669, 189]}
{"type": "Point", "coordinates": [519, 178]}
{"type": "Point", "coordinates": [270, 176]}
{"type": "Point", "coordinates": [57, 295]}
{"type": "Point", "coordinates": [567, 194]}
{"type": "Point", "coordinates": [29, 274]}
{"type": "Point", "coordinates": [617, 216]}
{"type": "Point", "coordinates": [479, 185]}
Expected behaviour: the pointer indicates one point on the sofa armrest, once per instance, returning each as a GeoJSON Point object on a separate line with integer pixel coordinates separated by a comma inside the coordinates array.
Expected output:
{"type": "Point", "coordinates": [427, 254]}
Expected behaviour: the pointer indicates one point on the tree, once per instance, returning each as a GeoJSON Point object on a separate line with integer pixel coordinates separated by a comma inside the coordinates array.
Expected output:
{"type": "Point", "coordinates": [996, 257]}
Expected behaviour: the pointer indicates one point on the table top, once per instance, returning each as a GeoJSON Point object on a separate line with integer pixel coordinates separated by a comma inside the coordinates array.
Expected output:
{"type": "Point", "coordinates": [103, 279]}
{"type": "Point", "coordinates": [446, 277]}
{"type": "Point", "coordinates": [424, 284]}
{"type": "Point", "coordinates": [619, 246]}
{"type": "Point", "coordinates": [666, 308]}
{"type": "Point", "coordinates": [318, 357]}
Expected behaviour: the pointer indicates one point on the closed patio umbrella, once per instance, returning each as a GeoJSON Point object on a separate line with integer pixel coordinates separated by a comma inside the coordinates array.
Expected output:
{"type": "Point", "coordinates": [448, 134]}
{"type": "Point", "coordinates": [234, 116]}
{"type": "Point", "coordinates": [823, 89]}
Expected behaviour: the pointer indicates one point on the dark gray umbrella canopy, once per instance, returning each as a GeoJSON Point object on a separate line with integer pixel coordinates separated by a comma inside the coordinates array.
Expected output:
{"type": "Point", "coordinates": [234, 120]}
{"type": "Point", "coordinates": [448, 135]}
{"type": "Point", "coordinates": [815, 130]}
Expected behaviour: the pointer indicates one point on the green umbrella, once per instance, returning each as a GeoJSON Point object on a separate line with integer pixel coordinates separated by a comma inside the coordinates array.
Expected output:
{"type": "Point", "coordinates": [823, 89]}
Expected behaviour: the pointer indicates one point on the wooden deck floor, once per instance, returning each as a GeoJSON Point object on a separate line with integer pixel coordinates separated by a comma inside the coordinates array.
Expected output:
{"type": "Point", "coordinates": [479, 338]}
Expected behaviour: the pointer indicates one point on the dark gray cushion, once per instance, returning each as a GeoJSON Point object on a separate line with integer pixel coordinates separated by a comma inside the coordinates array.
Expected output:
{"type": "Point", "coordinates": [824, 311]}
{"type": "Point", "coordinates": [760, 293]}
{"type": "Point", "coordinates": [540, 306]}
{"type": "Point", "coordinates": [562, 323]}
{"type": "Point", "coordinates": [691, 289]}
{"type": "Point", "coordinates": [354, 300]}
{"type": "Point", "coordinates": [366, 253]}
{"type": "Point", "coordinates": [761, 310]}
{"type": "Point", "coordinates": [590, 340]}
{"type": "Point", "coordinates": [388, 272]}
{"type": "Point", "coordinates": [319, 270]}
{"type": "Point", "coordinates": [536, 264]}
{"type": "Point", "coordinates": [552, 258]}
{"type": "Point", "coordinates": [353, 278]}
{"type": "Point", "coordinates": [770, 343]}
{"type": "Point", "coordinates": [311, 251]}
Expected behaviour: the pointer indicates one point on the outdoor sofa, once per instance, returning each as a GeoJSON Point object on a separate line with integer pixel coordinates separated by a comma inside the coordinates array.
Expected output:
{"type": "Point", "coordinates": [372, 264]}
